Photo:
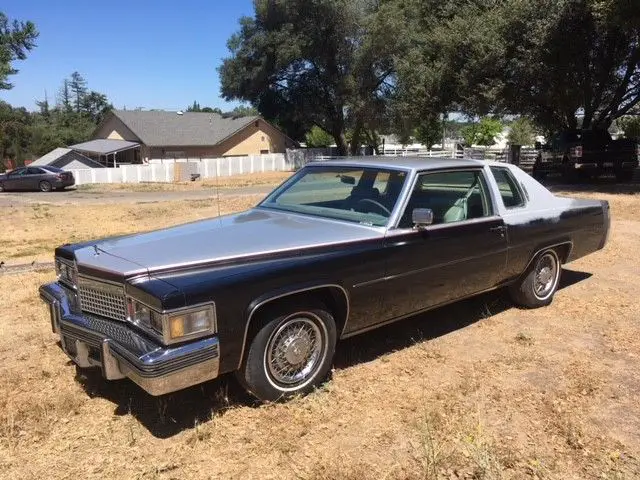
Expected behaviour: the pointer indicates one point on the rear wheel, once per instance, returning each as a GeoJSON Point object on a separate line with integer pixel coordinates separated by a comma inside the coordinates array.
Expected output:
{"type": "Point", "coordinates": [292, 352]}
{"type": "Point", "coordinates": [539, 283]}
{"type": "Point", "coordinates": [45, 186]}
{"type": "Point", "coordinates": [1, 187]}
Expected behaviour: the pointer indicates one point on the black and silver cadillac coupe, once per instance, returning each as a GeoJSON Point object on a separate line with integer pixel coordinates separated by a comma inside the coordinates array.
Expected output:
{"type": "Point", "coordinates": [341, 247]}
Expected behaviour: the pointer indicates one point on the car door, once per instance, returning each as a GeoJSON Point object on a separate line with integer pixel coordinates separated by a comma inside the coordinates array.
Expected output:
{"type": "Point", "coordinates": [15, 179]}
{"type": "Point", "coordinates": [34, 177]}
{"type": "Point", "coordinates": [463, 252]}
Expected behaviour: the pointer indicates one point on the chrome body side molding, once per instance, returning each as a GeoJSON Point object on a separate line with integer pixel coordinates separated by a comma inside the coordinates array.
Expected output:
{"type": "Point", "coordinates": [271, 298]}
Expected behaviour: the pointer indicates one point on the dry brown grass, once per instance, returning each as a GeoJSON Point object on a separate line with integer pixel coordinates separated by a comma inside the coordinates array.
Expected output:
{"type": "Point", "coordinates": [478, 390]}
{"type": "Point", "coordinates": [32, 232]}
{"type": "Point", "coordinates": [234, 181]}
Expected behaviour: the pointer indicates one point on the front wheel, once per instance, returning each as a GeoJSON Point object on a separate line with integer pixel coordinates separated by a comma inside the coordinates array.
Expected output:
{"type": "Point", "coordinates": [45, 186]}
{"type": "Point", "coordinates": [539, 283]}
{"type": "Point", "coordinates": [292, 353]}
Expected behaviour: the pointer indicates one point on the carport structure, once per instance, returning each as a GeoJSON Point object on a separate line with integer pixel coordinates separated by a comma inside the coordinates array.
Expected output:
{"type": "Point", "coordinates": [110, 152]}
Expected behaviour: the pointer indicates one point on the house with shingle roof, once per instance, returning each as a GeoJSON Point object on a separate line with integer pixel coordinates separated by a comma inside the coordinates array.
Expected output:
{"type": "Point", "coordinates": [134, 136]}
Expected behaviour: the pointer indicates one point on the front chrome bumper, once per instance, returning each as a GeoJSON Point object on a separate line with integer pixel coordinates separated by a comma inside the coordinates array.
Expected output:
{"type": "Point", "coordinates": [120, 351]}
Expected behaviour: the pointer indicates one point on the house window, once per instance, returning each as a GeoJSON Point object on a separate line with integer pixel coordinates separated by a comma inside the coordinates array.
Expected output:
{"type": "Point", "coordinates": [264, 152]}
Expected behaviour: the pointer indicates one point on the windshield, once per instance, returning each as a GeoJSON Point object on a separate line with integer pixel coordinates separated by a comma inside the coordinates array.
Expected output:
{"type": "Point", "coordinates": [355, 194]}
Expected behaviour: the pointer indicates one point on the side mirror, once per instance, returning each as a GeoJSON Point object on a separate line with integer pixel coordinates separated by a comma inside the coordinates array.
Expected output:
{"type": "Point", "coordinates": [421, 218]}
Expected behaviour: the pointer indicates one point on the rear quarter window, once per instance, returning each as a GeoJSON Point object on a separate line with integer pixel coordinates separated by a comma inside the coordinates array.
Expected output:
{"type": "Point", "coordinates": [510, 191]}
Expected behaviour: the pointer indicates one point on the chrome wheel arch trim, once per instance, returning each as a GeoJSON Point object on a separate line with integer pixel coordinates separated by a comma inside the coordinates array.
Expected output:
{"type": "Point", "coordinates": [535, 255]}
{"type": "Point", "coordinates": [290, 293]}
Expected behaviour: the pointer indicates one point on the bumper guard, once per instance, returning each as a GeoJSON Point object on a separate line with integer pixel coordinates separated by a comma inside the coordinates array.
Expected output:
{"type": "Point", "coordinates": [120, 351]}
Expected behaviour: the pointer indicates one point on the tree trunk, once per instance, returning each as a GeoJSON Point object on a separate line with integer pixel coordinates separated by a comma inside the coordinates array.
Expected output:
{"type": "Point", "coordinates": [356, 138]}
{"type": "Point", "coordinates": [341, 142]}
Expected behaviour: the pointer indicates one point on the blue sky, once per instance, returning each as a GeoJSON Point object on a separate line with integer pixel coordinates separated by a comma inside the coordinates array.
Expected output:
{"type": "Point", "coordinates": [140, 53]}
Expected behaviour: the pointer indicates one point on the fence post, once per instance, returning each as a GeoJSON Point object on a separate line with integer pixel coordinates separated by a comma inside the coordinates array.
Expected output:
{"type": "Point", "coordinates": [153, 173]}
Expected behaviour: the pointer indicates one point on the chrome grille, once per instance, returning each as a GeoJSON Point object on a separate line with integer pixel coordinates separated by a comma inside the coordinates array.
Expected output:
{"type": "Point", "coordinates": [101, 298]}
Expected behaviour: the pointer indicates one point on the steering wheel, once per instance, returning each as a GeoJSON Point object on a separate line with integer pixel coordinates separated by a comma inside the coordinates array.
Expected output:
{"type": "Point", "coordinates": [376, 204]}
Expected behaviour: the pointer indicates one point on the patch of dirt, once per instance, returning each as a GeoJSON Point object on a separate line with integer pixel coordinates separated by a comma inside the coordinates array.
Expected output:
{"type": "Point", "coordinates": [476, 390]}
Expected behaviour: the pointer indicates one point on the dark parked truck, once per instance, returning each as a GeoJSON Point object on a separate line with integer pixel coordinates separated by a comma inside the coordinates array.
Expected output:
{"type": "Point", "coordinates": [587, 153]}
{"type": "Point", "coordinates": [340, 248]}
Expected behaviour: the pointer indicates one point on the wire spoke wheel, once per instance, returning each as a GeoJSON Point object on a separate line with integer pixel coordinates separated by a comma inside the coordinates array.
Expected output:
{"type": "Point", "coordinates": [295, 351]}
{"type": "Point", "coordinates": [546, 276]}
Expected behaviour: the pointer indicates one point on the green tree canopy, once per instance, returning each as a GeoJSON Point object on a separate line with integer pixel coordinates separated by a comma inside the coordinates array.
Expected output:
{"type": "Point", "coordinates": [16, 39]}
{"type": "Point", "coordinates": [313, 62]}
{"type": "Point", "coordinates": [547, 59]}
{"type": "Point", "coordinates": [521, 132]}
{"type": "Point", "coordinates": [630, 126]}
{"type": "Point", "coordinates": [429, 131]}
{"type": "Point", "coordinates": [482, 133]}
{"type": "Point", "coordinates": [318, 138]}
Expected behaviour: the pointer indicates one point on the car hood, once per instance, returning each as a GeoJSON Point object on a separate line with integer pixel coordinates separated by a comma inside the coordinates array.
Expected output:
{"type": "Point", "coordinates": [257, 233]}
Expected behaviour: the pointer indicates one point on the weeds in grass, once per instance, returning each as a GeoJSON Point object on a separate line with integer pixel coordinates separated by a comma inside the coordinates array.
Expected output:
{"type": "Point", "coordinates": [433, 452]}
{"type": "Point", "coordinates": [481, 451]}
{"type": "Point", "coordinates": [524, 338]}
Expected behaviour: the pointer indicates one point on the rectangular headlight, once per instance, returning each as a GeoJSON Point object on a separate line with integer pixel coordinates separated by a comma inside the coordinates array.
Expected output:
{"type": "Point", "coordinates": [144, 316]}
{"type": "Point", "coordinates": [193, 322]}
{"type": "Point", "coordinates": [173, 326]}
{"type": "Point", "coordinates": [66, 272]}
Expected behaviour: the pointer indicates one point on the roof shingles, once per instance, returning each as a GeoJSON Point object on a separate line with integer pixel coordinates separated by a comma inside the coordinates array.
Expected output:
{"type": "Point", "coordinates": [193, 129]}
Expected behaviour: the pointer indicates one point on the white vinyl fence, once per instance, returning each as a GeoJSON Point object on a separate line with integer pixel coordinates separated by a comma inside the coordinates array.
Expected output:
{"type": "Point", "coordinates": [181, 169]}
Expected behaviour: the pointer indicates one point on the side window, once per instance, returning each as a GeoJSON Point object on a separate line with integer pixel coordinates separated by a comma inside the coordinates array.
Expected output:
{"type": "Point", "coordinates": [452, 196]}
{"type": "Point", "coordinates": [33, 171]}
{"type": "Point", "coordinates": [509, 191]}
{"type": "Point", "coordinates": [18, 171]}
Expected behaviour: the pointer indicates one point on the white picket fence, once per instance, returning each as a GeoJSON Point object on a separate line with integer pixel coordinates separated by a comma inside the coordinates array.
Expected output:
{"type": "Point", "coordinates": [422, 152]}
{"type": "Point", "coordinates": [181, 169]}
